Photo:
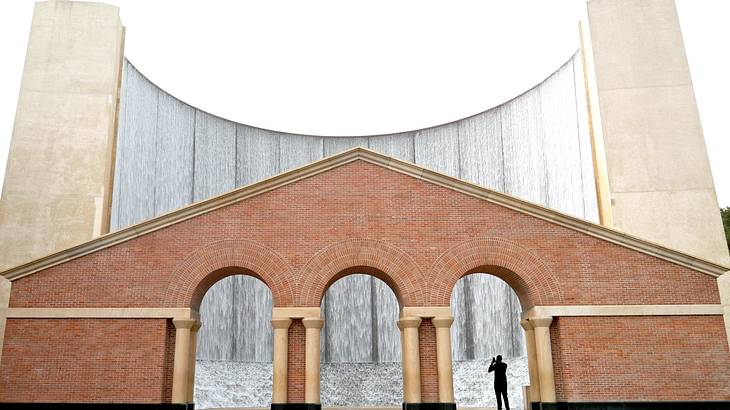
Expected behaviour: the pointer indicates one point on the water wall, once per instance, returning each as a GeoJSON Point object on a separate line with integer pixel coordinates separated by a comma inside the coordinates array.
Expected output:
{"type": "Point", "coordinates": [535, 147]}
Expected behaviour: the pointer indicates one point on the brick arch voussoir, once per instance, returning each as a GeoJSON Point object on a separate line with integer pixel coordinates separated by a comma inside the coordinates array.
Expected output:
{"type": "Point", "coordinates": [523, 268]}
{"type": "Point", "coordinates": [260, 260]}
{"type": "Point", "coordinates": [401, 272]}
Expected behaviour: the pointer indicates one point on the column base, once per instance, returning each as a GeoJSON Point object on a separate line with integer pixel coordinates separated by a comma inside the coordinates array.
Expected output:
{"type": "Point", "coordinates": [429, 406]}
{"type": "Point", "coordinates": [635, 405]}
{"type": "Point", "coordinates": [98, 406]}
{"type": "Point", "coordinates": [296, 406]}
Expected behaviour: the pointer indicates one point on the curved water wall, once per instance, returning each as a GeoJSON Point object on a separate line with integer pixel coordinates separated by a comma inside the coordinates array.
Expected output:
{"type": "Point", "coordinates": [169, 154]}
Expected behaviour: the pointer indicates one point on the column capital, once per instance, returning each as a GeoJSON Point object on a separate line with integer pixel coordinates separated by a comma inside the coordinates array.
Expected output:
{"type": "Point", "coordinates": [281, 323]}
{"type": "Point", "coordinates": [409, 322]}
{"type": "Point", "coordinates": [526, 324]}
{"type": "Point", "coordinates": [442, 321]}
{"type": "Point", "coordinates": [312, 323]}
{"type": "Point", "coordinates": [541, 321]}
{"type": "Point", "coordinates": [198, 324]}
{"type": "Point", "coordinates": [184, 323]}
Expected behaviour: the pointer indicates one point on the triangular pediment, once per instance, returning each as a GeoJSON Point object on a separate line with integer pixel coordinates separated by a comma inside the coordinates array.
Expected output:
{"type": "Point", "coordinates": [396, 165]}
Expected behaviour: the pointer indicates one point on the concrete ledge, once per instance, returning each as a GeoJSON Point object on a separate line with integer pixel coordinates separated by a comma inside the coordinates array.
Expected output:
{"type": "Point", "coordinates": [295, 312]}
{"type": "Point", "coordinates": [623, 310]}
{"type": "Point", "coordinates": [98, 313]}
{"type": "Point", "coordinates": [647, 405]}
{"type": "Point", "coordinates": [425, 312]}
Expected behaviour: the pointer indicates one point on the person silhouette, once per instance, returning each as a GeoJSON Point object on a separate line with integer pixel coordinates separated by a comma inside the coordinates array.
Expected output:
{"type": "Point", "coordinates": [500, 381]}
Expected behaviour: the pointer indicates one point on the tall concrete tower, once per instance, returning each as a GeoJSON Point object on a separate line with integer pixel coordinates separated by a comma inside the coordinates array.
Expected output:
{"type": "Point", "coordinates": [659, 178]}
{"type": "Point", "coordinates": [58, 180]}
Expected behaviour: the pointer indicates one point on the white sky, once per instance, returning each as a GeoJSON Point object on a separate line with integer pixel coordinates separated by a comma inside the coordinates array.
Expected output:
{"type": "Point", "coordinates": [308, 72]}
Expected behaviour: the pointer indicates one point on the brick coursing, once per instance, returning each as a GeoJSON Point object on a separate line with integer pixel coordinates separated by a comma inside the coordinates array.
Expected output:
{"type": "Point", "coordinates": [420, 238]}
{"type": "Point", "coordinates": [429, 368]}
{"type": "Point", "coordinates": [87, 360]}
{"type": "Point", "coordinates": [655, 358]}
{"type": "Point", "coordinates": [296, 364]}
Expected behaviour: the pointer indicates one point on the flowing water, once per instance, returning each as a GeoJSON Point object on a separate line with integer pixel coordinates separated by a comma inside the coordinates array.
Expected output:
{"type": "Point", "coordinates": [535, 147]}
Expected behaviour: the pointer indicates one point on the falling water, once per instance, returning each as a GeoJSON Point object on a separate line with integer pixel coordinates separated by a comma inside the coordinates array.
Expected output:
{"type": "Point", "coordinates": [535, 147]}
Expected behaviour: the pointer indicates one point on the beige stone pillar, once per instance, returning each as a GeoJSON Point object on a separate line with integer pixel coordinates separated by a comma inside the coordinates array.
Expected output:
{"type": "Point", "coordinates": [531, 361]}
{"type": "Point", "coordinates": [411, 358]}
{"type": "Point", "coordinates": [281, 352]}
{"type": "Point", "coordinates": [4, 303]}
{"type": "Point", "coordinates": [58, 180]}
{"type": "Point", "coordinates": [544, 353]}
{"type": "Point", "coordinates": [193, 350]}
{"type": "Point", "coordinates": [443, 358]}
{"type": "Point", "coordinates": [723, 282]}
{"type": "Point", "coordinates": [313, 327]}
{"type": "Point", "coordinates": [658, 167]}
{"type": "Point", "coordinates": [181, 368]}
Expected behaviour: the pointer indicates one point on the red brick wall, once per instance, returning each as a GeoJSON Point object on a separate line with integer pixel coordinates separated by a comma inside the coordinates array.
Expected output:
{"type": "Point", "coordinates": [429, 369]}
{"type": "Point", "coordinates": [640, 358]}
{"type": "Point", "coordinates": [418, 237]}
{"type": "Point", "coordinates": [87, 360]}
{"type": "Point", "coordinates": [295, 364]}
{"type": "Point", "coordinates": [423, 235]}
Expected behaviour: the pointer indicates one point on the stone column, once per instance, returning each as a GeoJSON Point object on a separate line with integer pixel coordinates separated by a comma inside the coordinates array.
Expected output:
{"type": "Point", "coordinates": [311, 384]}
{"type": "Point", "coordinates": [443, 358]}
{"type": "Point", "coordinates": [193, 349]}
{"type": "Point", "coordinates": [62, 148]}
{"type": "Point", "coordinates": [544, 353]}
{"type": "Point", "coordinates": [411, 358]}
{"type": "Point", "coordinates": [723, 283]}
{"type": "Point", "coordinates": [4, 303]}
{"type": "Point", "coordinates": [181, 368]}
{"type": "Point", "coordinates": [647, 102]}
{"type": "Point", "coordinates": [281, 347]}
{"type": "Point", "coordinates": [532, 361]}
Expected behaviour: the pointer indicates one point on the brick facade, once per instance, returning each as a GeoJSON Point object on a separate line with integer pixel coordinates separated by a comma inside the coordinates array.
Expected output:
{"type": "Point", "coordinates": [417, 236]}
{"type": "Point", "coordinates": [427, 355]}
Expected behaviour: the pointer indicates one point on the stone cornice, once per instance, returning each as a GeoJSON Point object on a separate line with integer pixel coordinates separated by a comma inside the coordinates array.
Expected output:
{"type": "Point", "coordinates": [355, 154]}
{"type": "Point", "coordinates": [623, 310]}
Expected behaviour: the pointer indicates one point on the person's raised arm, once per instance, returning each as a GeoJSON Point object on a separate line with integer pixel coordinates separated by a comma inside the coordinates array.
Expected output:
{"type": "Point", "coordinates": [491, 366]}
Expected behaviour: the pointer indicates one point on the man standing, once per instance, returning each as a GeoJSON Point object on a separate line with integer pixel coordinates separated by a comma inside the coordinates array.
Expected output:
{"type": "Point", "coordinates": [500, 381]}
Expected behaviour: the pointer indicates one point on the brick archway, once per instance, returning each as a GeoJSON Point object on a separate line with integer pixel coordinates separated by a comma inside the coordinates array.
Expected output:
{"type": "Point", "coordinates": [378, 258]}
{"type": "Point", "coordinates": [523, 270]}
{"type": "Point", "coordinates": [201, 269]}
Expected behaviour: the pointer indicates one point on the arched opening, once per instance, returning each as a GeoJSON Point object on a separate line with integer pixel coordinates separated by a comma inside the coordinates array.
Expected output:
{"type": "Point", "coordinates": [360, 341]}
{"type": "Point", "coordinates": [486, 312]}
{"type": "Point", "coordinates": [235, 342]}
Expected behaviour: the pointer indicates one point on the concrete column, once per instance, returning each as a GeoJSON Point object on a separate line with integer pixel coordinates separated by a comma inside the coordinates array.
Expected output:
{"type": "Point", "coordinates": [4, 303]}
{"type": "Point", "coordinates": [281, 352]}
{"type": "Point", "coordinates": [544, 355]}
{"type": "Point", "coordinates": [723, 282]}
{"type": "Point", "coordinates": [193, 349]}
{"type": "Point", "coordinates": [443, 358]}
{"type": "Point", "coordinates": [411, 358]}
{"type": "Point", "coordinates": [658, 167]}
{"type": "Point", "coordinates": [62, 148]}
{"type": "Point", "coordinates": [181, 369]}
{"type": "Point", "coordinates": [311, 358]}
{"type": "Point", "coordinates": [531, 361]}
